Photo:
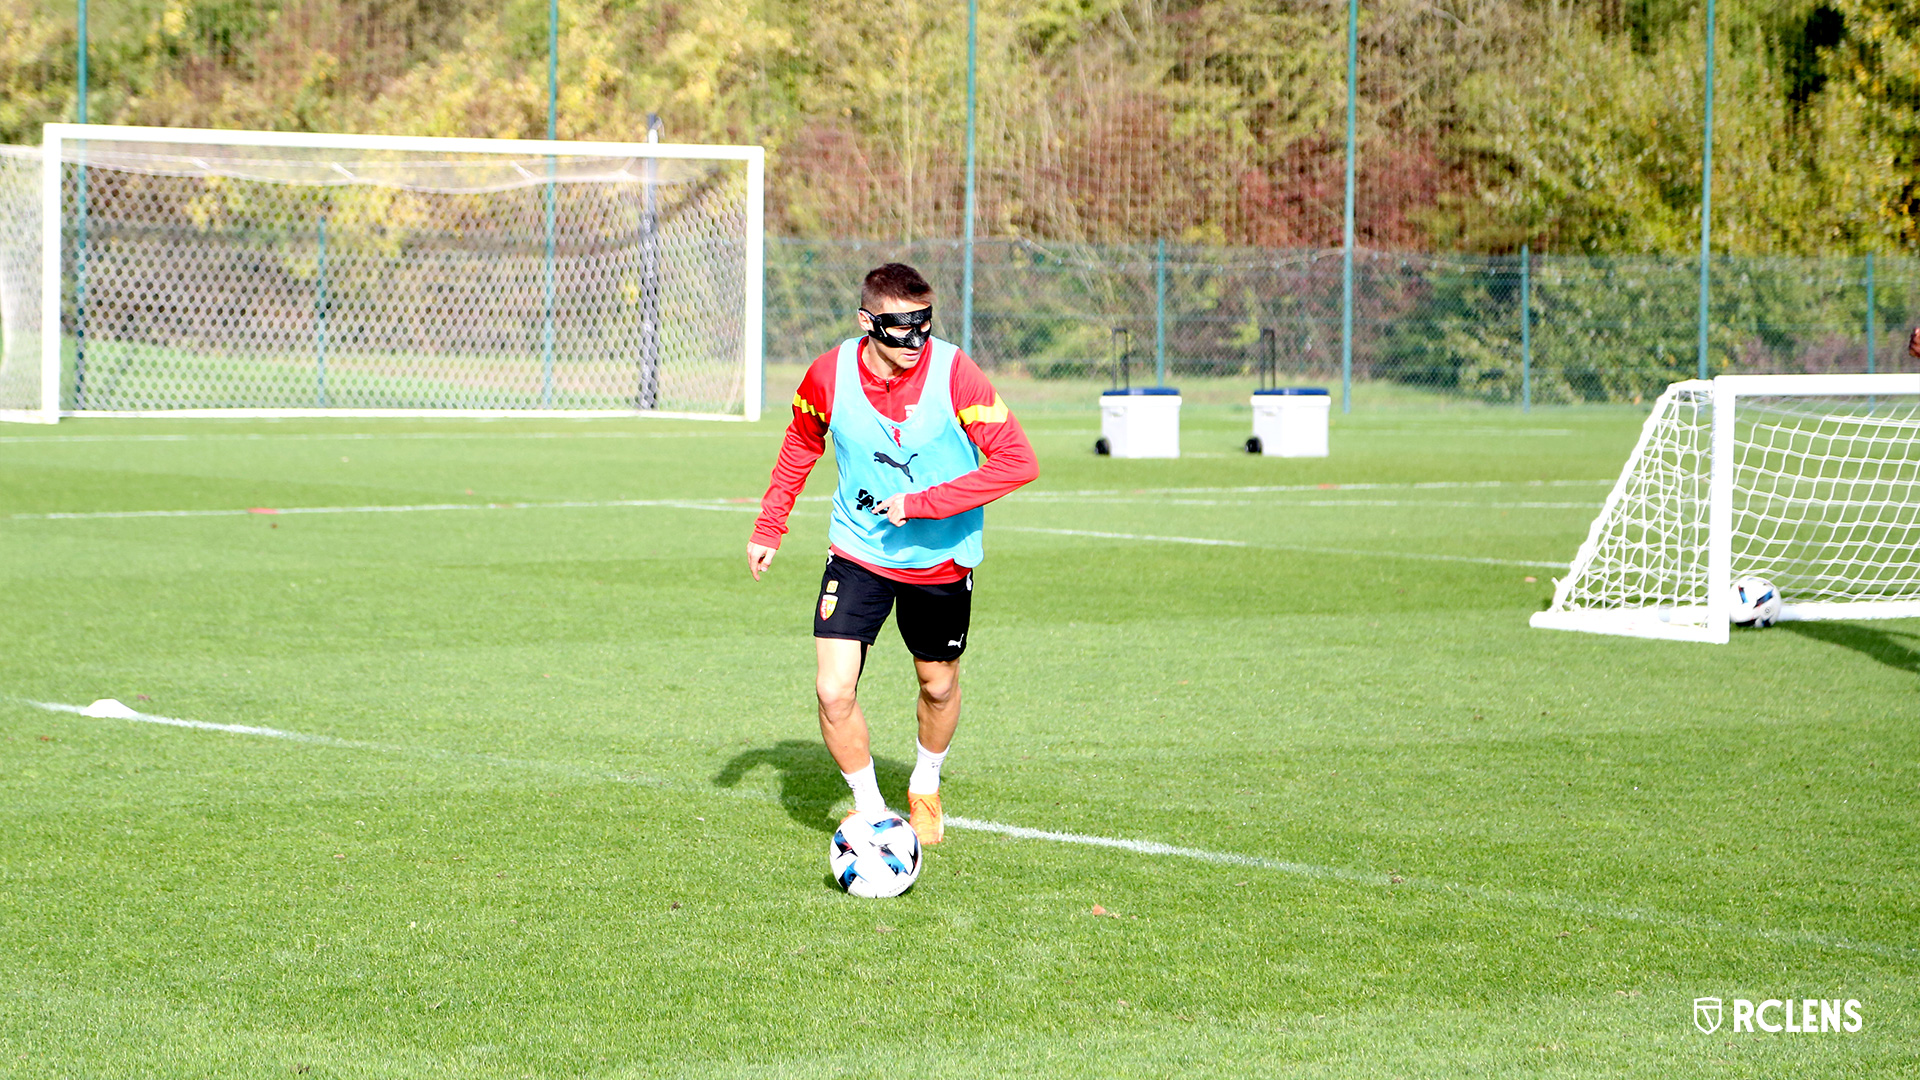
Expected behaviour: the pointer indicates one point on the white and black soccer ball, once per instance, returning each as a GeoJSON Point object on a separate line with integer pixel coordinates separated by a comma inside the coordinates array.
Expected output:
{"type": "Point", "coordinates": [875, 855]}
{"type": "Point", "coordinates": [1753, 601]}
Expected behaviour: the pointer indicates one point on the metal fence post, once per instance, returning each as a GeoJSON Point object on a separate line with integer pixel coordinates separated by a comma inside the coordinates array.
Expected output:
{"type": "Point", "coordinates": [553, 116]}
{"type": "Point", "coordinates": [320, 321]}
{"type": "Point", "coordinates": [1160, 316]}
{"type": "Point", "coordinates": [966, 272]}
{"type": "Point", "coordinates": [1526, 329]}
{"type": "Point", "coordinates": [80, 237]}
{"type": "Point", "coordinates": [647, 392]}
{"type": "Point", "coordinates": [1706, 195]}
{"type": "Point", "coordinates": [1873, 329]}
{"type": "Point", "coordinates": [1346, 270]}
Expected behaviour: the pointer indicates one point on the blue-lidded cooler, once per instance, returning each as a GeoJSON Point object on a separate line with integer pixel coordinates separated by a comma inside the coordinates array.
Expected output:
{"type": "Point", "coordinates": [1140, 422]}
{"type": "Point", "coordinates": [1290, 421]}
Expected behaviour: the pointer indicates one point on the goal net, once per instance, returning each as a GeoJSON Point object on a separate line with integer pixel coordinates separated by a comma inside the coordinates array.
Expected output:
{"type": "Point", "coordinates": [185, 272]}
{"type": "Point", "coordinates": [1810, 481]}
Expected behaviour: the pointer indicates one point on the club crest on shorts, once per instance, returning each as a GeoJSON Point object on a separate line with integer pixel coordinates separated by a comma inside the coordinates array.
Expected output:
{"type": "Point", "coordinates": [827, 603]}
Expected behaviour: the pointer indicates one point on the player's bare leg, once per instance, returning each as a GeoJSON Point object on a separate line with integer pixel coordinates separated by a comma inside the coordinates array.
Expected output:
{"type": "Point", "coordinates": [939, 712]}
{"type": "Point", "coordinates": [939, 704]}
{"type": "Point", "coordinates": [842, 726]}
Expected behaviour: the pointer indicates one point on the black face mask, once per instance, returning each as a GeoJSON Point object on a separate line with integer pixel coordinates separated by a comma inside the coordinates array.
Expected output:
{"type": "Point", "coordinates": [918, 323]}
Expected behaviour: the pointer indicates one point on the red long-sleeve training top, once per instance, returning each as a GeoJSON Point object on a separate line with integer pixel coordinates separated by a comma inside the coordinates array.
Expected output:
{"type": "Point", "coordinates": [983, 416]}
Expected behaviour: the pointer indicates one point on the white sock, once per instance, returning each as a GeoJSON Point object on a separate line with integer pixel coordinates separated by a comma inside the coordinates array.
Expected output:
{"type": "Point", "coordinates": [926, 771]}
{"type": "Point", "coordinates": [866, 790]}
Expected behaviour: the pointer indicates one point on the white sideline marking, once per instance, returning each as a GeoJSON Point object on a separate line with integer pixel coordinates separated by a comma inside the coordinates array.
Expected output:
{"type": "Point", "coordinates": [108, 708]}
{"type": "Point", "coordinates": [1493, 431]}
{"type": "Point", "coordinates": [1125, 536]}
{"type": "Point", "coordinates": [1302, 548]}
{"type": "Point", "coordinates": [1266, 489]}
{"type": "Point", "coordinates": [357, 436]}
{"type": "Point", "coordinates": [681, 504]}
{"type": "Point", "coordinates": [1277, 504]}
{"type": "Point", "coordinates": [746, 507]}
{"type": "Point", "coordinates": [1153, 847]}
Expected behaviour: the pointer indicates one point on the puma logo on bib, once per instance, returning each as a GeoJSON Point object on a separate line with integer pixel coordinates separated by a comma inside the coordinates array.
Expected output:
{"type": "Point", "coordinates": [880, 458]}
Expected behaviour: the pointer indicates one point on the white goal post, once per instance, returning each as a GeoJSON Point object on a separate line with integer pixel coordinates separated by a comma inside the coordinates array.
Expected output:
{"type": "Point", "coordinates": [1810, 481]}
{"type": "Point", "coordinates": [183, 272]}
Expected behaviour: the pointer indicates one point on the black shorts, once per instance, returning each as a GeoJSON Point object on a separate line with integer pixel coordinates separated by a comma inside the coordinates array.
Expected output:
{"type": "Point", "coordinates": [854, 602]}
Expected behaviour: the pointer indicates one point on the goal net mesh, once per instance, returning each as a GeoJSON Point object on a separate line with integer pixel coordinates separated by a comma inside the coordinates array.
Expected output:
{"type": "Point", "coordinates": [19, 278]}
{"type": "Point", "coordinates": [236, 277]}
{"type": "Point", "coordinates": [1826, 497]}
{"type": "Point", "coordinates": [1649, 548]}
{"type": "Point", "coordinates": [1825, 503]}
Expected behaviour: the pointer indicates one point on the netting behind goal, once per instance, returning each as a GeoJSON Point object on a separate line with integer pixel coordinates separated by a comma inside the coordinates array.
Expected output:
{"type": "Point", "coordinates": [245, 272]}
{"type": "Point", "coordinates": [1826, 497]}
{"type": "Point", "coordinates": [21, 396]}
{"type": "Point", "coordinates": [1818, 491]}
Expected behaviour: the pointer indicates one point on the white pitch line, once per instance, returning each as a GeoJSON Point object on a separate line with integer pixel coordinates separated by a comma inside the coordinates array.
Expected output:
{"type": "Point", "coordinates": [1302, 548]}
{"type": "Point", "coordinates": [109, 709]}
{"type": "Point", "coordinates": [114, 710]}
{"type": "Point", "coordinates": [273, 511]}
{"type": "Point", "coordinates": [743, 507]}
{"type": "Point", "coordinates": [1444, 431]}
{"type": "Point", "coordinates": [365, 436]}
{"type": "Point", "coordinates": [1267, 489]}
{"type": "Point", "coordinates": [1124, 536]}
{"type": "Point", "coordinates": [1311, 504]}
{"type": "Point", "coordinates": [1153, 847]}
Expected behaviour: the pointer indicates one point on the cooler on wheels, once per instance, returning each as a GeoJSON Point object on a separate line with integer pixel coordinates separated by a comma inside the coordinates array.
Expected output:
{"type": "Point", "coordinates": [1140, 422]}
{"type": "Point", "coordinates": [1290, 422]}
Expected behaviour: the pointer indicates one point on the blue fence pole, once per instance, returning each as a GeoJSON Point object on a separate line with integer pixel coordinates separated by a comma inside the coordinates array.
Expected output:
{"type": "Point", "coordinates": [553, 124]}
{"type": "Point", "coordinates": [80, 235]}
{"type": "Point", "coordinates": [966, 271]}
{"type": "Point", "coordinates": [1160, 316]}
{"type": "Point", "coordinates": [1346, 267]}
{"type": "Point", "coordinates": [1706, 196]}
{"type": "Point", "coordinates": [320, 322]}
{"type": "Point", "coordinates": [1526, 329]}
{"type": "Point", "coordinates": [1873, 327]}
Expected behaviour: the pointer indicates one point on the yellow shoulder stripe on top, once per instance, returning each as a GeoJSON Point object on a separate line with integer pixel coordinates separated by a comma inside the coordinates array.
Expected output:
{"type": "Point", "coordinates": [995, 413]}
{"type": "Point", "coordinates": [801, 404]}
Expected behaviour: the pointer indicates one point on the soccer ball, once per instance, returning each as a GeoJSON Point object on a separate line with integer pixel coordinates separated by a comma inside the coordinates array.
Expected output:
{"type": "Point", "coordinates": [875, 855]}
{"type": "Point", "coordinates": [1754, 602]}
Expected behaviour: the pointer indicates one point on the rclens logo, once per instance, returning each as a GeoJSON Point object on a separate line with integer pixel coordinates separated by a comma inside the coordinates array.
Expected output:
{"type": "Point", "coordinates": [1799, 1016]}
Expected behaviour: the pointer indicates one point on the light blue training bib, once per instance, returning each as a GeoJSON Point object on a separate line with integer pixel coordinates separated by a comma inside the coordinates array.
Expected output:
{"type": "Point", "coordinates": [879, 458]}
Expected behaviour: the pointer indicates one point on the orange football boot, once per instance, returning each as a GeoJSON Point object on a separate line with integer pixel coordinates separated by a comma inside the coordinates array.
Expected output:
{"type": "Point", "coordinates": [923, 813]}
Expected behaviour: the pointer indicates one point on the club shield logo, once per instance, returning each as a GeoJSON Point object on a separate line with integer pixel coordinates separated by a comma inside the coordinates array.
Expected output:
{"type": "Point", "coordinates": [1706, 1014]}
{"type": "Point", "coordinates": [827, 603]}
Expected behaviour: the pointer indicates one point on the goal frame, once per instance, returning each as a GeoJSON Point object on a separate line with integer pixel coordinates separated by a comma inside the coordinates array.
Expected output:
{"type": "Point", "coordinates": [56, 137]}
{"type": "Point", "coordinates": [1710, 622]}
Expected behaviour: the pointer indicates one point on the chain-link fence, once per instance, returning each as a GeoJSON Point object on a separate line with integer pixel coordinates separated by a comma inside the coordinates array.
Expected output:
{"type": "Point", "coordinates": [1614, 329]}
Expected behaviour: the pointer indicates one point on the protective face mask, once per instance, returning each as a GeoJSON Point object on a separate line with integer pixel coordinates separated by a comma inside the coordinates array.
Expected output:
{"type": "Point", "coordinates": [919, 328]}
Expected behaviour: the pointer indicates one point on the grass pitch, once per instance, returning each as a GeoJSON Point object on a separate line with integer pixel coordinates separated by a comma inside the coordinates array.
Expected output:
{"type": "Point", "coordinates": [541, 792]}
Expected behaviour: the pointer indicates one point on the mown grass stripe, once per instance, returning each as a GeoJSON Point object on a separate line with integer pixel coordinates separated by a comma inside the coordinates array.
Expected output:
{"type": "Point", "coordinates": [109, 709]}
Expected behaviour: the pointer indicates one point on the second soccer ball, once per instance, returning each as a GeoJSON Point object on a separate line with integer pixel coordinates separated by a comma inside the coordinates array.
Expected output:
{"type": "Point", "coordinates": [1753, 602]}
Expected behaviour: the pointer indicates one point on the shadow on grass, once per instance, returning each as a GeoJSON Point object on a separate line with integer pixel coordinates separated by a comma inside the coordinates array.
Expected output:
{"type": "Point", "coordinates": [810, 783]}
{"type": "Point", "coordinates": [1885, 646]}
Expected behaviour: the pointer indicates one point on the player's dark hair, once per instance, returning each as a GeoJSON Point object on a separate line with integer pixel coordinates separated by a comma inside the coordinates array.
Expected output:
{"type": "Point", "coordinates": [894, 281]}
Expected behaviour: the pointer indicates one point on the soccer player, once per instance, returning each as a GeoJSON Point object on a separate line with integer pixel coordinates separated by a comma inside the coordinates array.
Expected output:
{"type": "Point", "coordinates": [910, 416]}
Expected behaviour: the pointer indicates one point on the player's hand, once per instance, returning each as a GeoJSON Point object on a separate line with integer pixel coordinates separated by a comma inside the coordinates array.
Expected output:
{"type": "Point", "coordinates": [759, 557]}
{"type": "Point", "coordinates": [893, 508]}
{"type": "Point", "coordinates": [1913, 343]}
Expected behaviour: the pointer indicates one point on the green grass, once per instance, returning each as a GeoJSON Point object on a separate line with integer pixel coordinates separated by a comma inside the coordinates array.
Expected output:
{"type": "Point", "coordinates": [135, 376]}
{"type": "Point", "coordinates": [575, 817]}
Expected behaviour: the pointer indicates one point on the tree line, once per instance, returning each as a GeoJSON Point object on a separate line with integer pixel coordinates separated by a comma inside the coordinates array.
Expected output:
{"type": "Point", "coordinates": [1571, 126]}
